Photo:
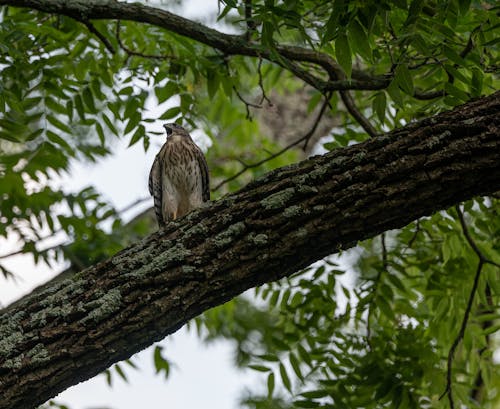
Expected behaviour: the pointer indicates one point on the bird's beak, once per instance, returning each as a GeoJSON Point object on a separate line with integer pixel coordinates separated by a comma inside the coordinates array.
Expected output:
{"type": "Point", "coordinates": [168, 128]}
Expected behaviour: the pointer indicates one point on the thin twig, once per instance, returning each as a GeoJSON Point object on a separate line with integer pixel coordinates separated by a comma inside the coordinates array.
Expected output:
{"type": "Point", "coordinates": [471, 241]}
{"type": "Point", "coordinates": [303, 138]}
{"type": "Point", "coordinates": [99, 35]}
{"type": "Point", "coordinates": [261, 85]}
{"type": "Point", "coordinates": [415, 234]}
{"type": "Point", "coordinates": [131, 52]}
{"type": "Point", "coordinates": [482, 261]}
{"type": "Point", "coordinates": [356, 113]}
{"type": "Point", "coordinates": [448, 391]}
{"type": "Point", "coordinates": [247, 104]}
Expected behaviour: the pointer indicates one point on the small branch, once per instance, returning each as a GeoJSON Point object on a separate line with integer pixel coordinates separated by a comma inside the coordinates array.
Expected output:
{"type": "Point", "coordinates": [471, 241]}
{"type": "Point", "coordinates": [131, 52]}
{"type": "Point", "coordinates": [470, 43]}
{"type": "Point", "coordinates": [482, 261]}
{"type": "Point", "coordinates": [384, 251]}
{"type": "Point", "coordinates": [304, 138]}
{"type": "Point", "coordinates": [425, 96]}
{"type": "Point", "coordinates": [247, 104]}
{"type": "Point", "coordinates": [448, 391]}
{"type": "Point", "coordinates": [261, 85]}
{"type": "Point", "coordinates": [415, 234]}
{"type": "Point", "coordinates": [356, 113]}
{"type": "Point", "coordinates": [99, 35]}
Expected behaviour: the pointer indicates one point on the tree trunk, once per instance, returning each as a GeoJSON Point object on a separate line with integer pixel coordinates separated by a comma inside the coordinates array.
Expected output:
{"type": "Point", "coordinates": [293, 216]}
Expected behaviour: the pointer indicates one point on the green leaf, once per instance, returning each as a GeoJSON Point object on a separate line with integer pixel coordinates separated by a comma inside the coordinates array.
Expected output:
{"type": "Point", "coordinates": [454, 56]}
{"type": "Point", "coordinates": [464, 6]}
{"type": "Point", "coordinates": [229, 6]}
{"type": "Point", "coordinates": [404, 79]}
{"type": "Point", "coordinates": [260, 368]}
{"type": "Point", "coordinates": [120, 372]}
{"type": "Point", "coordinates": [109, 124]}
{"type": "Point", "coordinates": [79, 106]}
{"type": "Point", "coordinates": [476, 86]}
{"type": "Point", "coordinates": [359, 40]}
{"type": "Point", "coordinates": [54, 138]}
{"type": "Point", "coordinates": [100, 133]}
{"type": "Point", "coordinates": [414, 11]}
{"type": "Point", "coordinates": [306, 404]}
{"type": "Point", "coordinates": [213, 81]}
{"type": "Point", "coordinates": [343, 53]}
{"type": "Point", "coordinates": [395, 94]}
{"type": "Point", "coordinates": [294, 362]}
{"type": "Point", "coordinates": [270, 385]}
{"type": "Point", "coordinates": [451, 89]}
{"type": "Point", "coordinates": [9, 137]}
{"type": "Point", "coordinates": [330, 28]}
{"type": "Point", "coordinates": [285, 378]}
{"type": "Point", "coordinates": [161, 364]}
{"type": "Point", "coordinates": [88, 99]}
{"type": "Point", "coordinates": [171, 113]}
{"type": "Point", "coordinates": [321, 393]}
{"type": "Point", "coordinates": [138, 134]}
{"type": "Point", "coordinates": [58, 124]}
{"type": "Point", "coordinates": [492, 329]}
{"type": "Point", "coordinates": [267, 34]}
{"type": "Point", "coordinates": [296, 300]}
{"type": "Point", "coordinates": [166, 92]}
{"type": "Point", "coordinates": [304, 355]}
{"type": "Point", "coordinates": [386, 308]}
{"type": "Point", "coordinates": [379, 105]}
{"type": "Point", "coordinates": [133, 122]}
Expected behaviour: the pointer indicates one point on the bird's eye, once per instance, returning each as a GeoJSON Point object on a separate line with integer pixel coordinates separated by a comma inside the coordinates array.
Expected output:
{"type": "Point", "coordinates": [169, 130]}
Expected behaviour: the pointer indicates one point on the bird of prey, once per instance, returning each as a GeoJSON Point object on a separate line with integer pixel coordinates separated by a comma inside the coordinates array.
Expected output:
{"type": "Point", "coordinates": [178, 180]}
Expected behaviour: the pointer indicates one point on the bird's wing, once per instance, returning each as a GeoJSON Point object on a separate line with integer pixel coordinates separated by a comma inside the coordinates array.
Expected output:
{"type": "Point", "coordinates": [205, 181]}
{"type": "Point", "coordinates": [155, 188]}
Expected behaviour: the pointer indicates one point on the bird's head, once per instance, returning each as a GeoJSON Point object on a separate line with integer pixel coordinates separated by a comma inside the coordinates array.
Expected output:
{"type": "Point", "coordinates": [175, 129]}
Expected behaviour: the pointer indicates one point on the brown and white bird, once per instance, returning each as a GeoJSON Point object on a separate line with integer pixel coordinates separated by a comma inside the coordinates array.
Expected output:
{"type": "Point", "coordinates": [178, 180]}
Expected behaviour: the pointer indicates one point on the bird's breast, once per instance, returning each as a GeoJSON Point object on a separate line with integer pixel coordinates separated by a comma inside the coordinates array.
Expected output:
{"type": "Point", "coordinates": [180, 166]}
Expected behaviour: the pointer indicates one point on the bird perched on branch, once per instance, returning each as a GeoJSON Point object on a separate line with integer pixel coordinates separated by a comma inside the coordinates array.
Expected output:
{"type": "Point", "coordinates": [178, 180]}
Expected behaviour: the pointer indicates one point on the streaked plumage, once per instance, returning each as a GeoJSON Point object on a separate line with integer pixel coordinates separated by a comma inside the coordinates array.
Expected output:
{"type": "Point", "coordinates": [178, 180]}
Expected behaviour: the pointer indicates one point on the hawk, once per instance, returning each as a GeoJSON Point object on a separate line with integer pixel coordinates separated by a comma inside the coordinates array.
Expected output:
{"type": "Point", "coordinates": [178, 180]}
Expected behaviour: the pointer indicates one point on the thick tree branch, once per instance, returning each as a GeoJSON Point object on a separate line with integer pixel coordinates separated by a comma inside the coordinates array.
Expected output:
{"type": "Point", "coordinates": [72, 329]}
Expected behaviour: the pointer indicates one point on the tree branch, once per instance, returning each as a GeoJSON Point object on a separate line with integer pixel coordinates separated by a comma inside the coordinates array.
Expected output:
{"type": "Point", "coordinates": [72, 329]}
{"type": "Point", "coordinates": [305, 138]}
{"type": "Point", "coordinates": [99, 35]}
{"type": "Point", "coordinates": [482, 261]}
{"type": "Point", "coordinates": [358, 116]}
{"type": "Point", "coordinates": [227, 43]}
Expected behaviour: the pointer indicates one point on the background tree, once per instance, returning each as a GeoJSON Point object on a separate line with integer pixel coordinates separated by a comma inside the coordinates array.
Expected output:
{"type": "Point", "coordinates": [417, 317]}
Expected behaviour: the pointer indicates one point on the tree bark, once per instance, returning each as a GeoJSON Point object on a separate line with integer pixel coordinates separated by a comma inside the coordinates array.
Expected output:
{"type": "Point", "coordinates": [276, 225]}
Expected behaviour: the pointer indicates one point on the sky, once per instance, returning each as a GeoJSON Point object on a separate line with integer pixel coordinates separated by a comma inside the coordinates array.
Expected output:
{"type": "Point", "coordinates": [202, 376]}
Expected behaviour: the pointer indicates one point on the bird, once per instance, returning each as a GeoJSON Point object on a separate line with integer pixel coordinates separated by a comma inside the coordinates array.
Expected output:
{"type": "Point", "coordinates": [179, 179]}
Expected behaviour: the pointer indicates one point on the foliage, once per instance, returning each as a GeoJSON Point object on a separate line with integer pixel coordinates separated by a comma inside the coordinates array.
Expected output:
{"type": "Point", "coordinates": [70, 90]}
{"type": "Point", "coordinates": [381, 338]}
